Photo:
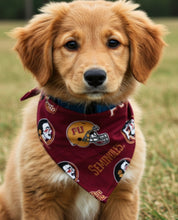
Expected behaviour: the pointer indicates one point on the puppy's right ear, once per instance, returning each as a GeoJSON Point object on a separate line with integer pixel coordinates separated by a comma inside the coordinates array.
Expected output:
{"type": "Point", "coordinates": [34, 41]}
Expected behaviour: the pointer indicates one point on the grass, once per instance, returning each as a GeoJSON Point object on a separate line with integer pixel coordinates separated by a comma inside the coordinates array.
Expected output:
{"type": "Point", "coordinates": [13, 83]}
{"type": "Point", "coordinates": [159, 102]}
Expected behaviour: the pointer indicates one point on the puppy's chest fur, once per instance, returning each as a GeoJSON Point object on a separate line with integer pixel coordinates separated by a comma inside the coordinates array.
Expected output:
{"type": "Point", "coordinates": [84, 206]}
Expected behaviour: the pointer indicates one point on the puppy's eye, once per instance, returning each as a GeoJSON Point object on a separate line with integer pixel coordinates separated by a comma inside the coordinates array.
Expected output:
{"type": "Point", "coordinates": [71, 45]}
{"type": "Point", "coordinates": [112, 43]}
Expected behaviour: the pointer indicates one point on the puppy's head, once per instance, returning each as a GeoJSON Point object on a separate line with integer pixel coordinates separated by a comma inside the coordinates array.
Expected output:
{"type": "Point", "coordinates": [84, 51]}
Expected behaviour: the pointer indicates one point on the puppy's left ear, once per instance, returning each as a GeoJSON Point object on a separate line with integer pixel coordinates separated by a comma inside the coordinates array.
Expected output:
{"type": "Point", "coordinates": [34, 41]}
{"type": "Point", "coordinates": [145, 38]}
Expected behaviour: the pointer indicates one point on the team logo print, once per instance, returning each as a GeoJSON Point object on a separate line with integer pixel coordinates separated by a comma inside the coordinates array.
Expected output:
{"type": "Point", "coordinates": [70, 169]}
{"type": "Point", "coordinates": [49, 107]}
{"type": "Point", "coordinates": [99, 195]}
{"type": "Point", "coordinates": [83, 133]}
{"type": "Point", "coordinates": [46, 131]}
{"type": "Point", "coordinates": [129, 131]}
{"type": "Point", "coordinates": [120, 168]}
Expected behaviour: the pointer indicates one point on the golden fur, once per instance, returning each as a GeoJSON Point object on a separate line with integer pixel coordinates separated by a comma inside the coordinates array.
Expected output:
{"type": "Point", "coordinates": [35, 188]}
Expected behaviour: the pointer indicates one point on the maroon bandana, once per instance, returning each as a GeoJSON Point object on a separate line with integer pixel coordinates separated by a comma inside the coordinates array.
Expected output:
{"type": "Point", "coordinates": [93, 149]}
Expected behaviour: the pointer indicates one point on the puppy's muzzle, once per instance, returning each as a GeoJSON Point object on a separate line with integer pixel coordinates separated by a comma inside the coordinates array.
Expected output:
{"type": "Point", "coordinates": [95, 77]}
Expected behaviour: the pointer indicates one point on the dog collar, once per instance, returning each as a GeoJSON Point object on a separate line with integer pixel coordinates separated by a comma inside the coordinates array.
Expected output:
{"type": "Point", "coordinates": [81, 108]}
{"type": "Point", "coordinates": [93, 149]}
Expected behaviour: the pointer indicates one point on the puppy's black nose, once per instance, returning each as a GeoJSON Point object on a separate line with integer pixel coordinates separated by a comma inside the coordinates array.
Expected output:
{"type": "Point", "coordinates": [95, 77]}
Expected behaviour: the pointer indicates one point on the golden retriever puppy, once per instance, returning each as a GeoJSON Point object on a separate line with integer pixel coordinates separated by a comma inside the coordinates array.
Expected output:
{"type": "Point", "coordinates": [80, 154]}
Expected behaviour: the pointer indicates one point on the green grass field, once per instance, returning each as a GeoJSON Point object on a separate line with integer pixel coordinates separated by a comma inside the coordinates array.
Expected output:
{"type": "Point", "coordinates": [159, 102]}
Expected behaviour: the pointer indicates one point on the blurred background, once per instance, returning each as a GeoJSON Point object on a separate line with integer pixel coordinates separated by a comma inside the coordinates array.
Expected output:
{"type": "Point", "coordinates": [158, 100]}
{"type": "Point", "coordinates": [24, 9]}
